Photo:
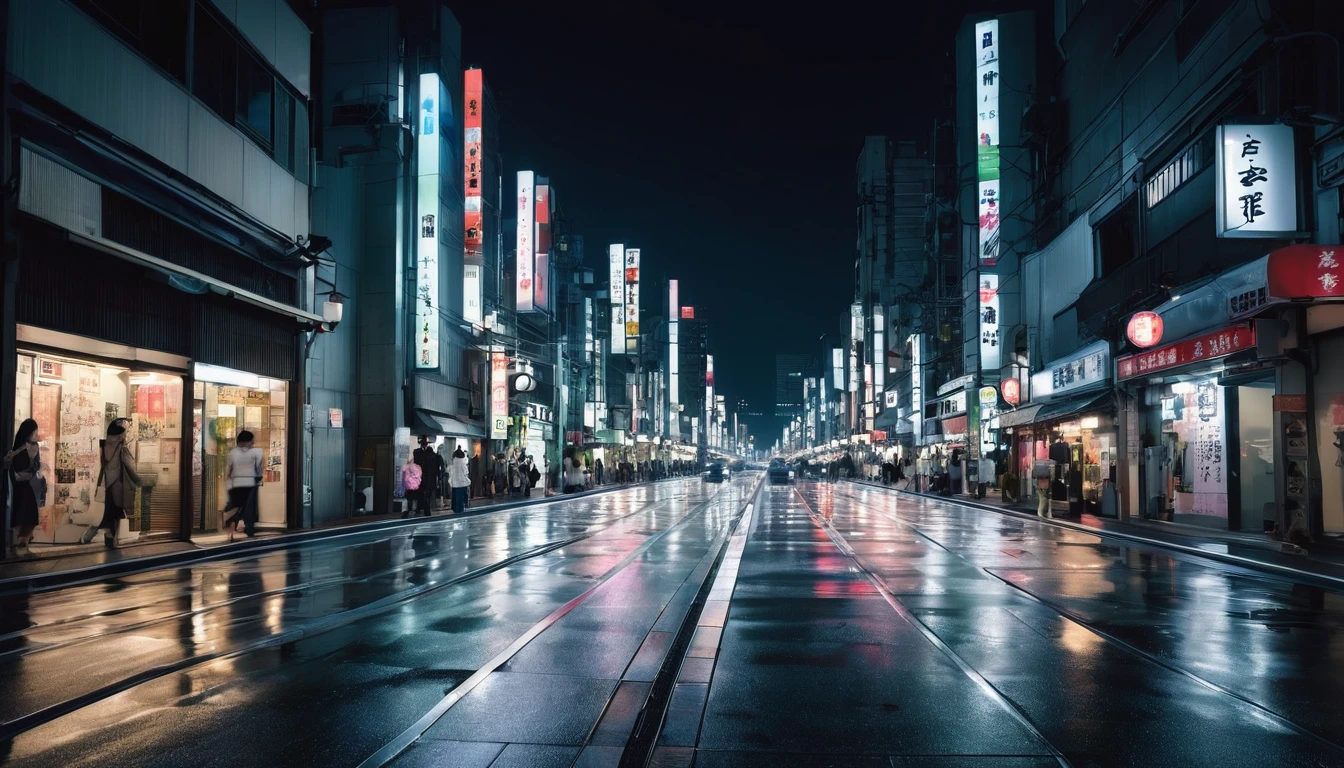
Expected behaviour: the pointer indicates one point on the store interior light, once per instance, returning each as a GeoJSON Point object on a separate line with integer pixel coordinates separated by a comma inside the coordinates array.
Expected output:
{"type": "Point", "coordinates": [1091, 422]}
{"type": "Point", "coordinates": [1182, 388]}
{"type": "Point", "coordinates": [219, 375]}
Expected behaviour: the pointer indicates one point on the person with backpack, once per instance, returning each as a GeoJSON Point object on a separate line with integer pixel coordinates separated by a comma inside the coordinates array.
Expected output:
{"type": "Point", "coordinates": [411, 478]}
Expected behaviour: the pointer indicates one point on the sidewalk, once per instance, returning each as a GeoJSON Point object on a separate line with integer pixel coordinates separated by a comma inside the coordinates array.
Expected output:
{"type": "Point", "coordinates": [72, 563]}
{"type": "Point", "coordinates": [1324, 561]}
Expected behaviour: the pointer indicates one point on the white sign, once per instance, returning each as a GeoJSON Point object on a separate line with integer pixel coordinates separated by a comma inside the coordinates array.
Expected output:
{"type": "Point", "coordinates": [838, 368]}
{"type": "Point", "coordinates": [1207, 416]}
{"type": "Point", "coordinates": [986, 47]}
{"type": "Point", "coordinates": [616, 283]}
{"type": "Point", "coordinates": [1089, 367]}
{"type": "Point", "coordinates": [631, 300]}
{"type": "Point", "coordinates": [953, 405]}
{"type": "Point", "coordinates": [855, 339]}
{"type": "Point", "coordinates": [673, 353]}
{"type": "Point", "coordinates": [990, 341]}
{"type": "Point", "coordinates": [916, 384]}
{"type": "Point", "coordinates": [891, 398]}
{"type": "Point", "coordinates": [1257, 181]}
{"type": "Point", "coordinates": [526, 241]}
{"type": "Point", "coordinates": [427, 229]}
{"type": "Point", "coordinates": [879, 349]}
{"type": "Point", "coordinates": [471, 294]}
{"type": "Point", "coordinates": [989, 408]}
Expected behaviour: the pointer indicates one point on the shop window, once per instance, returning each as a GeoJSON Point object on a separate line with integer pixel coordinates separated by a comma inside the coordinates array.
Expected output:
{"type": "Point", "coordinates": [157, 29]}
{"type": "Point", "coordinates": [73, 402]}
{"type": "Point", "coordinates": [256, 95]}
{"type": "Point", "coordinates": [219, 413]}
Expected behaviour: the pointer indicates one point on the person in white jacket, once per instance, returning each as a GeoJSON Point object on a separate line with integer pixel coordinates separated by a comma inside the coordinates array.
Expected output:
{"type": "Point", "coordinates": [460, 480]}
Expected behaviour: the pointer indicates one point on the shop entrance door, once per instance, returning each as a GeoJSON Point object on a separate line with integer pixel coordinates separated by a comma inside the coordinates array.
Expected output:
{"type": "Point", "coordinates": [331, 499]}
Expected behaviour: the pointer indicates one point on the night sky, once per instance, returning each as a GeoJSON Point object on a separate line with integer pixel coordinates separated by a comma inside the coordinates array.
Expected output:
{"type": "Point", "coordinates": [722, 142]}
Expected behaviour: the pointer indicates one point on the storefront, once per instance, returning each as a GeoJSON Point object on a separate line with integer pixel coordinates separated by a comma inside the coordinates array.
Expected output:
{"type": "Point", "coordinates": [1204, 427]}
{"type": "Point", "coordinates": [1070, 421]}
{"type": "Point", "coordinates": [945, 448]}
{"type": "Point", "coordinates": [74, 388]}
{"type": "Point", "coordinates": [225, 403]}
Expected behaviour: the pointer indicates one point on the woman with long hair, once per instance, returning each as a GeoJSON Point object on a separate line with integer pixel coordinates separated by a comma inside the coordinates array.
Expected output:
{"type": "Point", "coordinates": [25, 467]}
{"type": "Point", "coordinates": [118, 479]}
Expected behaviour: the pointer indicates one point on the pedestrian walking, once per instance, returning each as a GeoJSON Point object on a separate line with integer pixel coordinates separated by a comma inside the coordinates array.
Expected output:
{"type": "Point", "coordinates": [24, 462]}
{"type": "Point", "coordinates": [242, 478]}
{"type": "Point", "coordinates": [597, 468]}
{"type": "Point", "coordinates": [428, 461]}
{"type": "Point", "coordinates": [411, 478]}
{"type": "Point", "coordinates": [459, 480]}
{"type": "Point", "coordinates": [1042, 472]}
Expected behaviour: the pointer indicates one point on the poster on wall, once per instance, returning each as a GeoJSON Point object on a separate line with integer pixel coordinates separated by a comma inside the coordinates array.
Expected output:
{"type": "Point", "coordinates": [1210, 457]}
{"type": "Point", "coordinates": [990, 341]}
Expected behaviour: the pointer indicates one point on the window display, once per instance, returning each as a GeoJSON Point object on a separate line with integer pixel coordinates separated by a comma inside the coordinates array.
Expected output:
{"type": "Point", "coordinates": [73, 401]}
{"type": "Point", "coordinates": [219, 412]}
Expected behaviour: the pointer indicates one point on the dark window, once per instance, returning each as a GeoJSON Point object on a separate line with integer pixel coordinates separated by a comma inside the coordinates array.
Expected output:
{"type": "Point", "coordinates": [155, 28]}
{"type": "Point", "coordinates": [256, 97]}
{"type": "Point", "coordinates": [215, 65]}
{"type": "Point", "coordinates": [1197, 18]}
{"type": "Point", "coordinates": [1117, 241]}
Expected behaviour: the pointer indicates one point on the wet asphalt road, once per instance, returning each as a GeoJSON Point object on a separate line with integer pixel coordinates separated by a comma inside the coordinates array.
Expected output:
{"type": "Point", "coordinates": [844, 625]}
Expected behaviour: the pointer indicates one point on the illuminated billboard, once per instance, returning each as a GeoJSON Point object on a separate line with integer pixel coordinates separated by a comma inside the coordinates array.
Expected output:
{"type": "Point", "coordinates": [986, 45]}
{"type": "Point", "coordinates": [990, 347]}
{"type": "Point", "coordinates": [499, 396]}
{"type": "Point", "coordinates": [473, 236]}
{"type": "Point", "coordinates": [673, 353]}
{"type": "Point", "coordinates": [541, 277]}
{"type": "Point", "coordinates": [526, 241]}
{"type": "Point", "coordinates": [427, 224]}
{"type": "Point", "coordinates": [631, 300]}
{"type": "Point", "coordinates": [616, 287]}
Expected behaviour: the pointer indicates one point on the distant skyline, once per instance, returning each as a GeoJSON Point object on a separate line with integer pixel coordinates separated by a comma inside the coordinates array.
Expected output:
{"type": "Point", "coordinates": [721, 141]}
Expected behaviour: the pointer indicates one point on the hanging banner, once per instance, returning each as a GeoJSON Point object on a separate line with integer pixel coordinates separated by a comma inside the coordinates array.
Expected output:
{"type": "Point", "coordinates": [525, 251]}
{"type": "Point", "coordinates": [499, 396]}
{"type": "Point", "coordinates": [631, 300]}
{"type": "Point", "coordinates": [990, 346]}
{"type": "Point", "coordinates": [541, 279]}
{"type": "Point", "coordinates": [427, 230]}
{"type": "Point", "coordinates": [471, 294]}
{"type": "Point", "coordinates": [986, 46]}
{"type": "Point", "coordinates": [616, 288]}
{"type": "Point", "coordinates": [473, 213]}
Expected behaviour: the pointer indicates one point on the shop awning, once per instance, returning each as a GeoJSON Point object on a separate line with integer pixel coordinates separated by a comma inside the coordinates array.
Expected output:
{"type": "Point", "coordinates": [428, 423]}
{"type": "Point", "coordinates": [1077, 406]}
{"type": "Point", "coordinates": [1019, 416]}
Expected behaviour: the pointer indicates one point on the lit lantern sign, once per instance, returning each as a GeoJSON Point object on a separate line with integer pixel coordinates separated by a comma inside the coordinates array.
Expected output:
{"type": "Point", "coordinates": [1012, 391]}
{"type": "Point", "coordinates": [1145, 329]}
{"type": "Point", "coordinates": [1257, 181]}
{"type": "Point", "coordinates": [427, 220]}
{"type": "Point", "coordinates": [526, 241]}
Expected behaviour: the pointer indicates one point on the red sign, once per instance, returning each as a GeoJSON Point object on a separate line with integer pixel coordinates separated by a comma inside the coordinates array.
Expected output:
{"type": "Point", "coordinates": [688, 313]}
{"type": "Point", "coordinates": [1012, 391]}
{"type": "Point", "coordinates": [878, 436]}
{"type": "Point", "coordinates": [1207, 346]}
{"type": "Point", "coordinates": [1306, 272]}
{"type": "Point", "coordinates": [499, 396]}
{"type": "Point", "coordinates": [955, 426]}
{"type": "Point", "coordinates": [472, 165]}
{"type": "Point", "coordinates": [1145, 329]}
{"type": "Point", "coordinates": [1290, 403]}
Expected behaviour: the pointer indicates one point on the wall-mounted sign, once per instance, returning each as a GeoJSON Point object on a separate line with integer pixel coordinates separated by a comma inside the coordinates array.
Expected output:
{"type": "Point", "coordinates": [631, 300]}
{"type": "Point", "coordinates": [1290, 403]}
{"type": "Point", "coordinates": [1206, 346]}
{"type": "Point", "coordinates": [427, 223]}
{"type": "Point", "coordinates": [891, 398]}
{"type": "Point", "coordinates": [688, 313]}
{"type": "Point", "coordinates": [990, 346]}
{"type": "Point", "coordinates": [526, 242]}
{"type": "Point", "coordinates": [986, 47]}
{"type": "Point", "coordinates": [499, 396]}
{"type": "Point", "coordinates": [1306, 272]}
{"type": "Point", "coordinates": [541, 266]}
{"type": "Point", "coordinates": [1089, 367]}
{"type": "Point", "coordinates": [1144, 329]}
{"type": "Point", "coordinates": [952, 406]}
{"type": "Point", "coordinates": [616, 290]}
{"type": "Point", "coordinates": [1257, 181]}
{"type": "Point", "coordinates": [1012, 391]}
{"type": "Point", "coordinates": [961, 382]}
{"type": "Point", "coordinates": [336, 418]}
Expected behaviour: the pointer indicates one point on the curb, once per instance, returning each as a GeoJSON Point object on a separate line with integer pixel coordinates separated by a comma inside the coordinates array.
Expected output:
{"type": "Point", "coordinates": [75, 576]}
{"type": "Point", "coordinates": [1333, 583]}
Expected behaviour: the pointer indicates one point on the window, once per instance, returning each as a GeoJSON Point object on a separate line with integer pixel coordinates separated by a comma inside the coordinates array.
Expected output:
{"type": "Point", "coordinates": [1182, 168]}
{"type": "Point", "coordinates": [256, 97]}
{"type": "Point", "coordinates": [157, 29]}
{"type": "Point", "coordinates": [214, 77]}
{"type": "Point", "coordinates": [1117, 243]}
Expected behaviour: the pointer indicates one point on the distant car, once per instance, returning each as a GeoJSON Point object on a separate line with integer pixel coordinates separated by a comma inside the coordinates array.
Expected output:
{"type": "Point", "coordinates": [714, 473]}
{"type": "Point", "coordinates": [737, 466]}
{"type": "Point", "coordinates": [779, 472]}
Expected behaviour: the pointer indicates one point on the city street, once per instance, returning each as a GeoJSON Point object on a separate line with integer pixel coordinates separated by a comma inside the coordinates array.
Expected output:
{"type": "Point", "coordinates": [675, 623]}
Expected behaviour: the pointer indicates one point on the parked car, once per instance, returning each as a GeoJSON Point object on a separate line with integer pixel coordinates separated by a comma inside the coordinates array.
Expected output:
{"type": "Point", "coordinates": [714, 473]}
{"type": "Point", "coordinates": [779, 472]}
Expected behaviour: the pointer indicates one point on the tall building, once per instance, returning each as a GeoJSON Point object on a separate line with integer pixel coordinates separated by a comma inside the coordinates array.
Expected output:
{"type": "Point", "coordinates": [790, 370]}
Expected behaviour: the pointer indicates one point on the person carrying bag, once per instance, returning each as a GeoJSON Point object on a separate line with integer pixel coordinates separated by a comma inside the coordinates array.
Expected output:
{"type": "Point", "coordinates": [117, 480]}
